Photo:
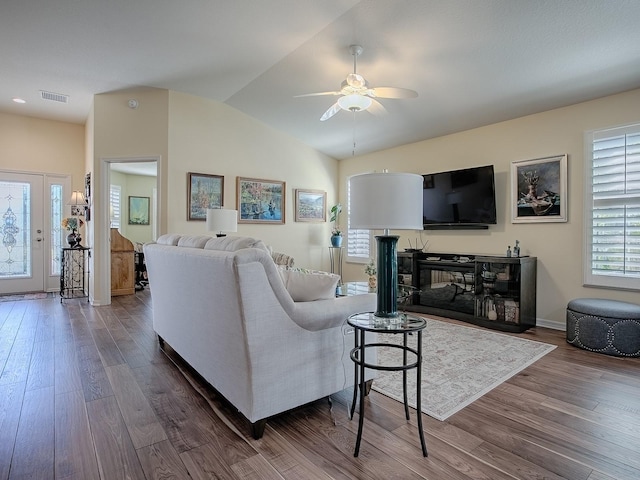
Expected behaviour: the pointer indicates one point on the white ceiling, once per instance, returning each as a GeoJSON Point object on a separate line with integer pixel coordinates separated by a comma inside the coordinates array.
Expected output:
{"type": "Point", "coordinates": [472, 62]}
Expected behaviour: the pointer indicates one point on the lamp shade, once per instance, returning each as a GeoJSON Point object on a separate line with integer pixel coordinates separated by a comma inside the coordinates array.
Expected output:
{"type": "Point", "coordinates": [222, 220]}
{"type": "Point", "coordinates": [354, 102]}
{"type": "Point", "coordinates": [386, 201]}
{"type": "Point", "coordinates": [77, 198]}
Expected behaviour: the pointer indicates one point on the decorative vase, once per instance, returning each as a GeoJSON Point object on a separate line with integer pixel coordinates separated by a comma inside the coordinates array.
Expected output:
{"type": "Point", "coordinates": [73, 239]}
{"type": "Point", "coordinates": [373, 282]}
{"type": "Point", "coordinates": [336, 240]}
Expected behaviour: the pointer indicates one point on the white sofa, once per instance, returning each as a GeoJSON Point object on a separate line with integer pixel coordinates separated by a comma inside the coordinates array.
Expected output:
{"type": "Point", "coordinates": [221, 304]}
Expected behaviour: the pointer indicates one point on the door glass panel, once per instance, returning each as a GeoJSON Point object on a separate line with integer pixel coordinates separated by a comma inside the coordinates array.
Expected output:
{"type": "Point", "coordinates": [15, 252]}
{"type": "Point", "coordinates": [55, 235]}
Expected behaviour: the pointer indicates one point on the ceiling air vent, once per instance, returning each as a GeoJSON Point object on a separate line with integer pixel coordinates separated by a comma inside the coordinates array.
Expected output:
{"type": "Point", "coordinates": [56, 97]}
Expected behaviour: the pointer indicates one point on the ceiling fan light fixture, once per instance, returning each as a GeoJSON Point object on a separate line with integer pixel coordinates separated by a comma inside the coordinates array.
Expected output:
{"type": "Point", "coordinates": [356, 81]}
{"type": "Point", "coordinates": [354, 102]}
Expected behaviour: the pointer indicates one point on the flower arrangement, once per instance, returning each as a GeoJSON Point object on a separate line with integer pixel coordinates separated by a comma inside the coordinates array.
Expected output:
{"type": "Point", "coordinates": [335, 218]}
{"type": "Point", "coordinates": [370, 268]}
{"type": "Point", "coordinates": [72, 223]}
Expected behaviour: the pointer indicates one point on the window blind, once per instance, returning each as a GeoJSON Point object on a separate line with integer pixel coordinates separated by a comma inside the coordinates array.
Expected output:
{"type": "Point", "coordinates": [358, 240]}
{"type": "Point", "coordinates": [615, 206]}
{"type": "Point", "coordinates": [114, 206]}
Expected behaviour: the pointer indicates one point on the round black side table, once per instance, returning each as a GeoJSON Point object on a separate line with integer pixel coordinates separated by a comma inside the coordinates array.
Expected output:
{"type": "Point", "coordinates": [404, 324]}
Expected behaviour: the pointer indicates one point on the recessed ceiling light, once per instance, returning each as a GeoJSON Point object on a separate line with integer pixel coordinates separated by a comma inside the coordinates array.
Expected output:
{"type": "Point", "coordinates": [19, 100]}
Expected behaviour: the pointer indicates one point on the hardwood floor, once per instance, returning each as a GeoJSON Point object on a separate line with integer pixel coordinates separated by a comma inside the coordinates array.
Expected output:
{"type": "Point", "coordinates": [86, 393]}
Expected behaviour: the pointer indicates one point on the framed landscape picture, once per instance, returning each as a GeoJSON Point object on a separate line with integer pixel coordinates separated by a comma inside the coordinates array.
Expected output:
{"type": "Point", "coordinates": [260, 201]}
{"type": "Point", "coordinates": [311, 205]}
{"type": "Point", "coordinates": [138, 210]}
{"type": "Point", "coordinates": [203, 191]}
{"type": "Point", "coordinates": [539, 190]}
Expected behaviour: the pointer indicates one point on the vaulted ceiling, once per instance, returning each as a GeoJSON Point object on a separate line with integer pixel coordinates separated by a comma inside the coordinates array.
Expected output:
{"type": "Point", "coordinates": [472, 62]}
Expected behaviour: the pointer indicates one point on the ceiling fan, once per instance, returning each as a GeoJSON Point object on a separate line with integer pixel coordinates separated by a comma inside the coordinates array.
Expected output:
{"type": "Point", "coordinates": [356, 95]}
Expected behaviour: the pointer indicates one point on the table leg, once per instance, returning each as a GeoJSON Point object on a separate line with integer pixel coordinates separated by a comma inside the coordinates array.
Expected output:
{"type": "Point", "coordinates": [356, 383]}
{"type": "Point", "coordinates": [419, 395]}
{"type": "Point", "coordinates": [361, 386]}
{"type": "Point", "coordinates": [404, 377]}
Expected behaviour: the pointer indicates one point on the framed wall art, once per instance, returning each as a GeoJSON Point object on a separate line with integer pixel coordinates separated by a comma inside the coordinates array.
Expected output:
{"type": "Point", "coordinates": [77, 210]}
{"type": "Point", "coordinates": [138, 210]}
{"type": "Point", "coordinates": [87, 196]}
{"type": "Point", "coordinates": [260, 201]}
{"type": "Point", "coordinates": [311, 205]}
{"type": "Point", "coordinates": [203, 191]}
{"type": "Point", "coordinates": [539, 190]}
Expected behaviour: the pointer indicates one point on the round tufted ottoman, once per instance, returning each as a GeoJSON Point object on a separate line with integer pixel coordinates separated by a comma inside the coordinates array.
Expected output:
{"type": "Point", "coordinates": [604, 326]}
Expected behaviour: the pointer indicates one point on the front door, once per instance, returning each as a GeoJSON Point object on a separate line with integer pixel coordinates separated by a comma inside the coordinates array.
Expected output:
{"type": "Point", "coordinates": [21, 233]}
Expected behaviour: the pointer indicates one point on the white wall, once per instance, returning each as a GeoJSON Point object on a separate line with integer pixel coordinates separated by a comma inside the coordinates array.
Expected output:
{"type": "Point", "coordinates": [212, 138]}
{"type": "Point", "coordinates": [36, 145]}
{"type": "Point", "coordinates": [120, 133]}
{"type": "Point", "coordinates": [558, 246]}
{"type": "Point", "coordinates": [193, 134]}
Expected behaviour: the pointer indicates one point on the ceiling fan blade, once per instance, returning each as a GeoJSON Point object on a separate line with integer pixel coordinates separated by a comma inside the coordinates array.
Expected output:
{"type": "Point", "coordinates": [333, 109]}
{"type": "Point", "coordinates": [392, 92]}
{"type": "Point", "coordinates": [317, 94]}
{"type": "Point", "coordinates": [376, 108]}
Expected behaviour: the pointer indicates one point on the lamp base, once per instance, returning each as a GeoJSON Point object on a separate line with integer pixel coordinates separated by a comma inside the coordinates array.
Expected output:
{"type": "Point", "coordinates": [387, 294]}
{"type": "Point", "coordinates": [221, 234]}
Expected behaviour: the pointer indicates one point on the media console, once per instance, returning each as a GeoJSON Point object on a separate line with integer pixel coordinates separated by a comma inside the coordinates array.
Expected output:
{"type": "Point", "coordinates": [491, 291]}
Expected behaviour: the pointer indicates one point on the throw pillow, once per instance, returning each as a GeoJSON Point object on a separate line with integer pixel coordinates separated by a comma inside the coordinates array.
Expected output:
{"type": "Point", "coordinates": [308, 285]}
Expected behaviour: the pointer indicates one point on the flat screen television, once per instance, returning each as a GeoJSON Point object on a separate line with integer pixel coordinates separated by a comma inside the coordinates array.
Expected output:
{"type": "Point", "coordinates": [459, 198]}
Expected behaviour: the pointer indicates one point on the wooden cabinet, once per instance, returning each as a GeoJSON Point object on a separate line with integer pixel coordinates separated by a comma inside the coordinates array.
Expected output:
{"type": "Point", "coordinates": [494, 292]}
{"type": "Point", "coordinates": [122, 265]}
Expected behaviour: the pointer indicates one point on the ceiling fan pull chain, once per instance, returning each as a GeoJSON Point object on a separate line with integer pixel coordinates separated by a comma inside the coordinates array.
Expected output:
{"type": "Point", "coordinates": [353, 152]}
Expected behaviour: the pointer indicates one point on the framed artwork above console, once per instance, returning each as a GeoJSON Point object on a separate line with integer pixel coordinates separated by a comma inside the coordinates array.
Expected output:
{"type": "Point", "coordinates": [539, 190]}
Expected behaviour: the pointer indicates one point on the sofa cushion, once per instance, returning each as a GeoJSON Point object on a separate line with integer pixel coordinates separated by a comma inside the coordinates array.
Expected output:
{"type": "Point", "coordinates": [168, 239]}
{"type": "Point", "coordinates": [232, 244]}
{"type": "Point", "coordinates": [193, 241]}
{"type": "Point", "coordinates": [308, 285]}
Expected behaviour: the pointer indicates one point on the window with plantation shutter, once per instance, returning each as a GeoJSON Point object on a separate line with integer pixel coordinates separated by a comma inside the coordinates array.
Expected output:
{"type": "Point", "coordinates": [114, 206]}
{"type": "Point", "coordinates": [613, 208]}
{"type": "Point", "coordinates": [358, 240]}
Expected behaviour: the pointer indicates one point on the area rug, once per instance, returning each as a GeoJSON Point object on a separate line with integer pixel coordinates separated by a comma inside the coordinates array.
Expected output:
{"type": "Point", "coordinates": [460, 364]}
{"type": "Point", "coordinates": [26, 296]}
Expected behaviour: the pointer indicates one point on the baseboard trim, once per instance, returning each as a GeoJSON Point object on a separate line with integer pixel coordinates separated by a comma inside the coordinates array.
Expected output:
{"type": "Point", "coordinates": [543, 322]}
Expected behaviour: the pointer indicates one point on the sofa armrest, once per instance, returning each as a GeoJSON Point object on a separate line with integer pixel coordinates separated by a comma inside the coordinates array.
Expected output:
{"type": "Point", "coordinates": [323, 314]}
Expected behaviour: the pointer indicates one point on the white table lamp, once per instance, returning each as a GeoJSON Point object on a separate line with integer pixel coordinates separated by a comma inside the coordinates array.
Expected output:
{"type": "Point", "coordinates": [222, 220]}
{"type": "Point", "coordinates": [78, 203]}
{"type": "Point", "coordinates": [386, 201]}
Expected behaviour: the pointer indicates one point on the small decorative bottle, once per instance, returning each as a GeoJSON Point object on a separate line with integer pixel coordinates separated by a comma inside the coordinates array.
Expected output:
{"type": "Point", "coordinates": [516, 249]}
{"type": "Point", "coordinates": [509, 251]}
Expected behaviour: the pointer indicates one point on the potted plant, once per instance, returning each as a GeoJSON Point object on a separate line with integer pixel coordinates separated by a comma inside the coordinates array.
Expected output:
{"type": "Point", "coordinates": [370, 270]}
{"type": "Point", "coordinates": [336, 234]}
